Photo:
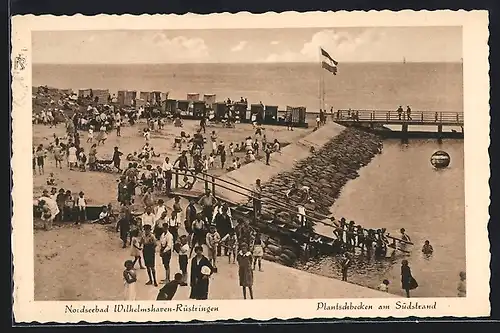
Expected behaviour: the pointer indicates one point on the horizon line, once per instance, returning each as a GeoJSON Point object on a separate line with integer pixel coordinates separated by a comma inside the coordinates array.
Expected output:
{"type": "Point", "coordinates": [247, 63]}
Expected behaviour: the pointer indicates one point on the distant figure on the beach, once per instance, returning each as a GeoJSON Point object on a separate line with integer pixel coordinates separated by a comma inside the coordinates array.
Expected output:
{"type": "Point", "coordinates": [289, 122]}
{"type": "Point", "coordinates": [400, 112]}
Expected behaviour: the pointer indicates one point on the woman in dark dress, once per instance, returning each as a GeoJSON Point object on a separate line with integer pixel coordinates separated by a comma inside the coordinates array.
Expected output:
{"type": "Point", "coordinates": [407, 281]}
{"type": "Point", "coordinates": [223, 225]}
{"type": "Point", "coordinates": [199, 281]}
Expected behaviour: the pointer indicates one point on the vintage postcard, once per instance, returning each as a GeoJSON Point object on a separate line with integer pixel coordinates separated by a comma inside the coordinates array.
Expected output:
{"type": "Point", "coordinates": [232, 166]}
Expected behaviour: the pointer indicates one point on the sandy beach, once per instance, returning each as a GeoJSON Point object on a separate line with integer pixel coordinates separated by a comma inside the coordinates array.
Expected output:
{"type": "Point", "coordinates": [85, 262]}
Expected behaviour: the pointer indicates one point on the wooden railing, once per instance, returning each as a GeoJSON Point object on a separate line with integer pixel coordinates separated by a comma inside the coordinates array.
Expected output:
{"type": "Point", "coordinates": [267, 203]}
{"type": "Point", "coordinates": [388, 117]}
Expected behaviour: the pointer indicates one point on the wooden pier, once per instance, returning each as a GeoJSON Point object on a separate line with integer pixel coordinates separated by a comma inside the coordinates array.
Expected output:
{"type": "Point", "coordinates": [377, 119]}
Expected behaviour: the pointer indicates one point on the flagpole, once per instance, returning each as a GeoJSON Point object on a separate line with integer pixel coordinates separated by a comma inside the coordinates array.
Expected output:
{"type": "Point", "coordinates": [320, 91]}
{"type": "Point", "coordinates": [323, 92]}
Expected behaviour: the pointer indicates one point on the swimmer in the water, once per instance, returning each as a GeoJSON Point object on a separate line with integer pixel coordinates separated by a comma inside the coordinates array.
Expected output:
{"type": "Point", "coordinates": [427, 248]}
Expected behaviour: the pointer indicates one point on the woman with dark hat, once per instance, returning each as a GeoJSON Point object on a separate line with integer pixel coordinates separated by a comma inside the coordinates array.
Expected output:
{"type": "Point", "coordinates": [201, 269]}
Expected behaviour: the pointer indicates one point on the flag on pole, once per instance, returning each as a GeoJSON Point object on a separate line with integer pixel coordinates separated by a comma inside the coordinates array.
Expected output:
{"type": "Point", "coordinates": [328, 62]}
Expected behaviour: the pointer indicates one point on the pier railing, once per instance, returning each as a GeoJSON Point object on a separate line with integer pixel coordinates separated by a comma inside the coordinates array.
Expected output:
{"type": "Point", "coordinates": [394, 117]}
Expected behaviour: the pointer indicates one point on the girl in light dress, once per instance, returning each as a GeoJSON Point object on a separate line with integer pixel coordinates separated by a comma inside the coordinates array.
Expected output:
{"type": "Point", "coordinates": [136, 248]}
{"type": "Point", "coordinates": [211, 160]}
{"type": "Point", "coordinates": [90, 137]}
{"type": "Point", "coordinates": [258, 252]}
{"type": "Point", "coordinates": [72, 158]}
{"type": "Point", "coordinates": [103, 135]}
{"type": "Point", "coordinates": [130, 279]}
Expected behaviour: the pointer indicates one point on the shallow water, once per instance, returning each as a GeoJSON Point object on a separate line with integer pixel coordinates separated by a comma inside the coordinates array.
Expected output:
{"type": "Point", "coordinates": [401, 189]}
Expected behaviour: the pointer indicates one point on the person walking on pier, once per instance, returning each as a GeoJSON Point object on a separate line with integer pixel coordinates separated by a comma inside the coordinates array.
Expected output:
{"type": "Point", "coordinates": [400, 112]}
{"type": "Point", "coordinates": [408, 113]}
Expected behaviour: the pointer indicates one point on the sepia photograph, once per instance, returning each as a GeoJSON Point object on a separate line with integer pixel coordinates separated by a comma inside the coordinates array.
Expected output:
{"type": "Point", "coordinates": [262, 163]}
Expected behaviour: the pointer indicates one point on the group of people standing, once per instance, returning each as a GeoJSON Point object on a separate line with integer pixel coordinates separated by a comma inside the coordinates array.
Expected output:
{"type": "Point", "coordinates": [206, 225]}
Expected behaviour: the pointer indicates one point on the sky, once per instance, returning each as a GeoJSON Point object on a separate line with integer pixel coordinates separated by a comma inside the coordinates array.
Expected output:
{"type": "Point", "coordinates": [391, 44]}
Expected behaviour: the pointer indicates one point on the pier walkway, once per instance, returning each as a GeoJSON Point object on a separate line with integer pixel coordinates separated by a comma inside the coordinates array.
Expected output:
{"type": "Point", "coordinates": [374, 118]}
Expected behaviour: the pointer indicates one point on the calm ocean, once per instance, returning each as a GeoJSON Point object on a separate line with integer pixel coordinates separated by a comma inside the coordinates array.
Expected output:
{"type": "Point", "coordinates": [399, 188]}
{"type": "Point", "coordinates": [379, 86]}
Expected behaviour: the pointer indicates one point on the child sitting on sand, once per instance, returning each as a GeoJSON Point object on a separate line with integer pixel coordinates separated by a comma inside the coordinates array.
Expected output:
{"type": "Point", "coordinates": [233, 166]}
{"type": "Point", "coordinates": [103, 216]}
{"type": "Point", "coordinates": [384, 286]}
{"type": "Point", "coordinates": [250, 157]}
{"type": "Point", "coordinates": [51, 180]}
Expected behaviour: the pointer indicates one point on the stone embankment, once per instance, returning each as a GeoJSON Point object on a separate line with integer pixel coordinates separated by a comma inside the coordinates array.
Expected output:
{"type": "Point", "coordinates": [325, 171]}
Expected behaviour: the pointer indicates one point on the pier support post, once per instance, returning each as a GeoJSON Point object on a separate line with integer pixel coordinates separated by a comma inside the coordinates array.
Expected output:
{"type": "Point", "coordinates": [440, 133]}
{"type": "Point", "coordinates": [404, 133]}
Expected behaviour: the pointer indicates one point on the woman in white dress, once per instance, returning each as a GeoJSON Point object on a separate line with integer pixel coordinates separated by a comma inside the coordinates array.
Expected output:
{"type": "Point", "coordinates": [103, 135]}
{"type": "Point", "coordinates": [129, 280]}
{"type": "Point", "coordinates": [72, 159]}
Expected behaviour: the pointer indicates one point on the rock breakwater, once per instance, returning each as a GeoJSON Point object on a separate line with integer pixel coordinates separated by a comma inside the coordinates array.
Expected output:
{"type": "Point", "coordinates": [326, 170]}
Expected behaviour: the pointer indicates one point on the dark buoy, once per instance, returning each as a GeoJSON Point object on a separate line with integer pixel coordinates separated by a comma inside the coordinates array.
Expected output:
{"type": "Point", "coordinates": [440, 159]}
